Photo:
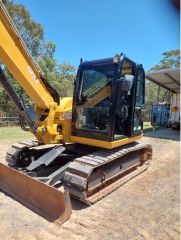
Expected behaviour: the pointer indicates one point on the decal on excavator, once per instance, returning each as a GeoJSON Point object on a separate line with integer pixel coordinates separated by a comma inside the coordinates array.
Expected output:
{"type": "Point", "coordinates": [67, 116]}
{"type": "Point", "coordinates": [32, 74]}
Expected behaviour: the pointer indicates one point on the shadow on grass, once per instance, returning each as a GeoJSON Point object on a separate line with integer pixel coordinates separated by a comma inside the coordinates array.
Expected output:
{"type": "Point", "coordinates": [166, 133]}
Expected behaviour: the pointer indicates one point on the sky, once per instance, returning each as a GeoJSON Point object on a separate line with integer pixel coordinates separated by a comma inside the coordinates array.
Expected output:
{"type": "Point", "coordinates": [96, 29]}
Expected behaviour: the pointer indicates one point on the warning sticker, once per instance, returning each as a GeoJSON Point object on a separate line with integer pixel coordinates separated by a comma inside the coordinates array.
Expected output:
{"type": "Point", "coordinates": [67, 115]}
{"type": "Point", "coordinates": [32, 74]}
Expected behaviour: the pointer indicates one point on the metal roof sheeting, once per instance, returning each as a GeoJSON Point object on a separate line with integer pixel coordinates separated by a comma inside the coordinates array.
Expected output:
{"type": "Point", "coordinates": [167, 78]}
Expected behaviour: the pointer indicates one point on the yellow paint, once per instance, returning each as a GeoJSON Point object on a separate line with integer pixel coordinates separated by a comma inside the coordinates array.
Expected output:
{"type": "Point", "coordinates": [16, 57]}
{"type": "Point", "coordinates": [105, 144]}
{"type": "Point", "coordinates": [47, 130]}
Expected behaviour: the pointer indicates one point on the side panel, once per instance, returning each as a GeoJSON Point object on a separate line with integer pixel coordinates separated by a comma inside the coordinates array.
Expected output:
{"type": "Point", "coordinates": [105, 144]}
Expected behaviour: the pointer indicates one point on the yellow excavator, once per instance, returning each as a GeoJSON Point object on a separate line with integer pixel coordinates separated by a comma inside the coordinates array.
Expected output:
{"type": "Point", "coordinates": [85, 146]}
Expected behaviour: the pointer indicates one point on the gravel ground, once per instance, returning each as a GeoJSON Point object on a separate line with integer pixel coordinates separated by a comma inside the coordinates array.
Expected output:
{"type": "Point", "coordinates": [147, 207]}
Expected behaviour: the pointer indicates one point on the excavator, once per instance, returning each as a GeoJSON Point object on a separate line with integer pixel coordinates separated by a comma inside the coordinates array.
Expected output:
{"type": "Point", "coordinates": [85, 146]}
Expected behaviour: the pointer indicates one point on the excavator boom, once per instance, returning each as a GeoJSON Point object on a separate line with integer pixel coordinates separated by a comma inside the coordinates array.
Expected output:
{"type": "Point", "coordinates": [16, 57]}
{"type": "Point", "coordinates": [51, 203]}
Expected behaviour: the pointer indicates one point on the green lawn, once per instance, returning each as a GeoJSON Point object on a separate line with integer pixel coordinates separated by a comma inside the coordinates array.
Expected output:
{"type": "Point", "coordinates": [14, 133]}
{"type": "Point", "coordinates": [148, 127]}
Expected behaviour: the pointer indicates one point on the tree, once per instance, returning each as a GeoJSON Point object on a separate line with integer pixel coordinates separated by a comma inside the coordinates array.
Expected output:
{"type": "Point", "coordinates": [59, 75]}
{"type": "Point", "coordinates": [67, 75]}
{"type": "Point", "coordinates": [171, 59]}
{"type": "Point", "coordinates": [31, 32]}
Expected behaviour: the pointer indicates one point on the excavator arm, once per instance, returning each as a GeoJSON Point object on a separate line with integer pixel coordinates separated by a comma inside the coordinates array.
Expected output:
{"type": "Point", "coordinates": [47, 122]}
{"type": "Point", "coordinates": [16, 57]}
{"type": "Point", "coordinates": [44, 122]}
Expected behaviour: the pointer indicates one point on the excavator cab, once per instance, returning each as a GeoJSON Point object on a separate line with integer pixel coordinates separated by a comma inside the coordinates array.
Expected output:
{"type": "Point", "coordinates": [107, 113]}
{"type": "Point", "coordinates": [108, 102]}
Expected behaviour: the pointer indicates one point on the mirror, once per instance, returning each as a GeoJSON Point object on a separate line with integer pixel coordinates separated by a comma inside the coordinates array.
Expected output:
{"type": "Point", "coordinates": [127, 82]}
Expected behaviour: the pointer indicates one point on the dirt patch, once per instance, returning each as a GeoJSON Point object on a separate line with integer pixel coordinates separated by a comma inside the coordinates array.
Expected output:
{"type": "Point", "coordinates": [147, 207]}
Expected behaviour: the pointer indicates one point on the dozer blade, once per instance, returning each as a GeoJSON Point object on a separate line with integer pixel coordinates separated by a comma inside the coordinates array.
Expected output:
{"type": "Point", "coordinates": [49, 202]}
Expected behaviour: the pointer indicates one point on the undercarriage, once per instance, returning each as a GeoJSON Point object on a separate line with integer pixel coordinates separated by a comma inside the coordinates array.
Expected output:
{"type": "Point", "coordinates": [88, 173]}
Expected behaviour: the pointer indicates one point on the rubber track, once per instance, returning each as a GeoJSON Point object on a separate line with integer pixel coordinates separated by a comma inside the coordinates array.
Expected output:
{"type": "Point", "coordinates": [77, 175]}
{"type": "Point", "coordinates": [78, 172]}
{"type": "Point", "coordinates": [16, 149]}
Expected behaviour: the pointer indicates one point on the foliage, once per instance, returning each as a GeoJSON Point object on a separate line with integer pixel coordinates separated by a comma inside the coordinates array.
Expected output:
{"type": "Point", "coordinates": [171, 59]}
{"type": "Point", "coordinates": [60, 76]}
{"type": "Point", "coordinates": [31, 32]}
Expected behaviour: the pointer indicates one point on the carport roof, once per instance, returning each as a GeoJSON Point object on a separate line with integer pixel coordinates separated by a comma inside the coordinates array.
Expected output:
{"type": "Point", "coordinates": [167, 78]}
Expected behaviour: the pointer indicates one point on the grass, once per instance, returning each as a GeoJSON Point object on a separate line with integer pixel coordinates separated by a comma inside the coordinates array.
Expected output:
{"type": "Point", "coordinates": [148, 127]}
{"type": "Point", "coordinates": [14, 133]}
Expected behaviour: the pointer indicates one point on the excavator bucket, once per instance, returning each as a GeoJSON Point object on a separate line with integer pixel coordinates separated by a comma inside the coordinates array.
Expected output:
{"type": "Point", "coordinates": [49, 202]}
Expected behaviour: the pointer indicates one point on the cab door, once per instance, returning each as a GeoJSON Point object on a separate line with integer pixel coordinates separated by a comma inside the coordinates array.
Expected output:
{"type": "Point", "coordinates": [124, 102]}
{"type": "Point", "coordinates": [139, 101]}
{"type": "Point", "coordinates": [130, 102]}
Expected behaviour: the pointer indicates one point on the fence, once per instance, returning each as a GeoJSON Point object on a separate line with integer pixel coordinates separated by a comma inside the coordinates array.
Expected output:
{"type": "Point", "coordinates": [6, 120]}
{"type": "Point", "coordinates": [9, 121]}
